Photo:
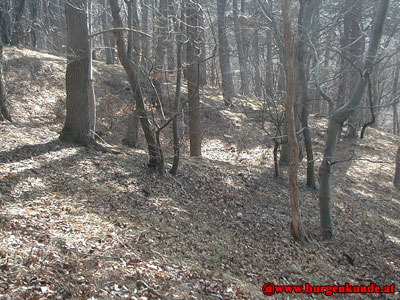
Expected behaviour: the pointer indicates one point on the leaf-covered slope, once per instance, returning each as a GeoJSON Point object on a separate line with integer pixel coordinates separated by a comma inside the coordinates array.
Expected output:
{"type": "Point", "coordinates": [80, 224]}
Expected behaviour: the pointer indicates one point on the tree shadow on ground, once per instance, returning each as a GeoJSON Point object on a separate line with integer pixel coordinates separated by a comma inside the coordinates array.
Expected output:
{"type": "Point", "coordinates": [210, 217]}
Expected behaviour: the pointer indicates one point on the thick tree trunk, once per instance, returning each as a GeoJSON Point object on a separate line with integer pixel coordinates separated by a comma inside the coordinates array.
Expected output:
{"type": "Point", "coordinates": [296, 227]}
{"type": "Point", "coordinates": [192, 11]}
{"type": "Point", "coordinates": [132, 72]}
{"type": "Point", "coordinates": [339, 116]}
{"type": "Point", "coordinates": [77, 122]}
{"type": "Point", "coordinates": [224, 61]}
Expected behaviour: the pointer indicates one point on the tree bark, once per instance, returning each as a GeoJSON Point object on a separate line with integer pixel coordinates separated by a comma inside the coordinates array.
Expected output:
{"type": "Point", "coordinates": [162, 36]}
{"type": "Point", "coordinates": [192, 11]}
{"type": "Point", "coordinates": [77, 122]}
{"type": "Point", "coordinates": [18, 34]}
{"type": "Point", "coordinates": [144, 39]}
{"type": "Point", "coordinates": [396, 180]}
{"type": "Point", "coordinates": [356, 49]}
{"type": "Point", "coordinates": [177, 102]}
{"type": "Point", "coordinates": [133, 52]}
{"type": "Point", "coordinates": [155, 159]}
{"type": "Point", "coordinates": [92, 95]}
{"type": "Point", "coordinates": [4, 111]}
{"type": "Point", "coordinates": [106, 35]}
{"type": "Point", "coordinates": [339, 116]}
{"type": "Point", "coordinates": [256, 62]}
{"type": "Point", "coordinates": [224, 61]}
{"type": "Point", "coordinates": [297, 229]}
{"type": "Point", "coordinates": [306, 13]}
{"type": "Point", "coordinates": [244, 78]}
{"type": "Point", "coordinates": [394, 93]}
{"type": "Point", "coordinates": [203, 64]}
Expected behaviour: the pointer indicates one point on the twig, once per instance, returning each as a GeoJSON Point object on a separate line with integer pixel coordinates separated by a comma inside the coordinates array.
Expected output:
{"type": "Point", "coordinates": [141, 283]}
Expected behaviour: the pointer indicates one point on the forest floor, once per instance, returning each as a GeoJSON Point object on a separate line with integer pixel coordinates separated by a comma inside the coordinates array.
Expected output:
{"type": "Point", "coordinates": [80, 224]}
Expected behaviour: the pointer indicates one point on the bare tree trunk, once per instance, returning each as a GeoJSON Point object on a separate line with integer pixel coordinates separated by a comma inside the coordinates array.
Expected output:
{"type": "Point", "coordinates": [18, 34]}
{"type": "Point", "coordinates": [133, 52]}
{"type": "Point", "coordinates": [296, 227]}
{"type": "Point", "coordinates": [159, 56]}
{"type": "Point", "coordinates": [256, 62]}
{"type": "Point", "coordinates": [339, 116]}
{"type": "Point", "coordinates": [244, 77]}
{"type": "Point", "coordinates": [177, 103]}
{"type": "Point", "coordinates": [192, 10]}
{"type": "Point", "coordinates": [394, 93]}
{"type": "Point", "coordinates": [396, 180]}
{"type": "Point", "coordinates": [77, 122]}
{"type": "Point", "coordinates": [306, 14]}
{"type": "Point", "coordinates": [132, 133]}
{"type": "Point", "coordinates": [356, 49]}
{"type": "Point", "coordinates": [92, 95]}
{"type": "Point", "coordinates": [155, 157]}
{"type": "Point", "coordinates": [203, 65]}
{"type": "Point", "coordinates": [269, 68]}
{"type": "Point", "coordinates": [224, 61]}
{"type": "Point", "coordinates": [170, 45]}
{"type": "Point", "coordinates": [106, 36]}
{"type": "Point", "coordinates": [4, 112]}
{"type": "Point", "coordinates": [145, 28]}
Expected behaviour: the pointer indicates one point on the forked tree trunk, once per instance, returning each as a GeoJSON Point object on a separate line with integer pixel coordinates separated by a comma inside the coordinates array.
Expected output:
{"type": "Point", "coordinates": [296, 226]}
{"type": "Point", "coordinates": [77, 122]}
{"type": "Point", "coordinates": [306, 14]}
{"type": "Point", "coordinates": [155, 158]}
{"type": "Point", "coordinates": [339, 116]}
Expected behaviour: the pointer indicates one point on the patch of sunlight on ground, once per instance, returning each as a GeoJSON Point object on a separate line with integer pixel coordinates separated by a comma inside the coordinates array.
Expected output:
{"type": "Point", "coordinates": [391, 221]}
{"type": "Point", "coordinates": [394, 239]}
{"type": "Point", "coordinates": [396, 201]}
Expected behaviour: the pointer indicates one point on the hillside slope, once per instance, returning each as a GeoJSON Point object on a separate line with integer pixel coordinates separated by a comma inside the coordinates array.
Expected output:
{"type": "Point", "coordinates": [81, 224]}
